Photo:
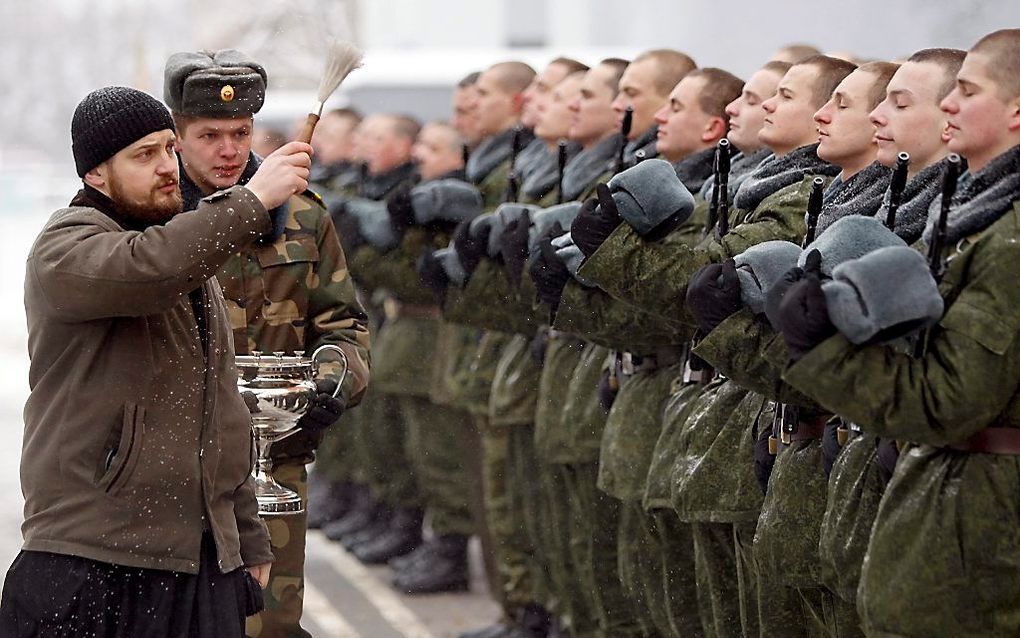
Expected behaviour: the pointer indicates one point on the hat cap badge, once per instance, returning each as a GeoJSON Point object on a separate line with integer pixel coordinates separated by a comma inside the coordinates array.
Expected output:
{"type": "Point", "coordinates": [227, 93]}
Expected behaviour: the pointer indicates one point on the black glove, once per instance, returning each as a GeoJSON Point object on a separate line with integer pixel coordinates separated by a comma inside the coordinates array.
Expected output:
{"type": "Point", "coordinates": [538, 345]}
{"type": "Point", "coordinates": [433, 275]}
{"type": "Point", "coordinates": [550, 275]}
{"type": "Point", "coordinates": [886, 456]}
{"type": "Point", "coordinates": [775, 294]}
{"type": "Point", "coordinates": [804, 317]}
{"type": "Point", "coordinates": [254, 602]}
{"type": "Point", "coordinates": [349, 231]}
{"type": "Point", "coordinates": [398, 206]}
{"type": "Point", "coordinates": [513, 246]}
{"type": "Point", "coordinates": [595, 222]}
{"type": "Point", "coordinates": [325, 408]}
{"type": "Point", "coordinates": [471, 248]}
{"type": "Point", "coordinates": [830, 444]}
{"type": "Point", "coordinates": [763, 460]}
{"type": "Point", "coordinates": [607, 393]}
{"type": "Point", "coordinates": [714, 294]}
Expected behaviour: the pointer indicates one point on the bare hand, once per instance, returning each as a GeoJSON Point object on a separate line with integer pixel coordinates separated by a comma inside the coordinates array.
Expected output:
{"type": "Point", "coordinates": [282, 174]}
{"type": "Point", "coordinates": [261, 573]}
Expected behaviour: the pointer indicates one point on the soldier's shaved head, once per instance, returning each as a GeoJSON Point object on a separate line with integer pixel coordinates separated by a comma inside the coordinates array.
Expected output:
{"type": "Point", "coordinates": [572, 66]}
{"type": "Point", "coordinates": [882, 72]}
{"type": "Point", "coordinates": [404, 126]}
{"type": "Point", "coordinates": [794, 53]}
{"type": "Point", "coordinates": [829, 73]}
{"type": "Point", "coordinates": [513, 77]}
{"type": "Point", "coordinates": [949, 60]}
{"type": "Point", "coordinates": [618, 66]}
{"type": "Point", "coordinates": [672, 67]}
{"type": "Point", "coordinates": [1003, 50]}
{"type": "Point", "coordinates": [720, 88]}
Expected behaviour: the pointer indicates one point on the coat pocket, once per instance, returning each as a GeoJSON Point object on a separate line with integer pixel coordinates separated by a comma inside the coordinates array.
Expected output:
{"type": "Point", "coordinates": [121, 454]}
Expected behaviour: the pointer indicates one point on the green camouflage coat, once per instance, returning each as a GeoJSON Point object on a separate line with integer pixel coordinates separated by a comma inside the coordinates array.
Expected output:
{"type": "Point", "coordinates": [944, 553]}
{"type": "Point", "coordinates": [653, 276]}
{"type": "Point", "coordinates": [296, 294]}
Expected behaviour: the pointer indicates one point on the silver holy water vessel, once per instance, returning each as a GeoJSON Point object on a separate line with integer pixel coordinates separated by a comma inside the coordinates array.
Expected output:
{"type": "Point", "coordinates": [278, 389]}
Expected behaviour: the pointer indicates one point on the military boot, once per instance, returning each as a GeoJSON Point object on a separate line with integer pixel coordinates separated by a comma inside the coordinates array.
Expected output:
{"type": "Point", "coordinates": [402, 563]}
{"type": "Point", "coordinates": [328, 501]}
{"type": "Point", "coordinates": [535, 621]}
{"type": "Point", "coordinates": [361, 515]}
{"type": "Point", "coordinates": [402, 536]}
{"type": "Point", "coordinates": [372, 531]}
{"type": "Point", "coordinates": [443, 569]}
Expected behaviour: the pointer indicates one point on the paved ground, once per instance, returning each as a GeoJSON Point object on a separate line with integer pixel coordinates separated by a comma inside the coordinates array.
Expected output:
{"type": "Point", "coordinates": [343, 598]}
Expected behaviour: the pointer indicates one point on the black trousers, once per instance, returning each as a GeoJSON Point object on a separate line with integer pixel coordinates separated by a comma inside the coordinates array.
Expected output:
{"type": "Point", "coordinates": [49, 595]}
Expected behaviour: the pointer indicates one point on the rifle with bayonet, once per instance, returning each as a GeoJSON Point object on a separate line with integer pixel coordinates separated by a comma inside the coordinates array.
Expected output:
{"type": "Point", "coordinates": [465, 154]}
{"type": "Point", "coordinates": [561, 165]}
{"type": "Point", "coordinates": [722, 213]}
{"type": "Point", "coordinates": [896, 186]}
{"type": "Point", "coordinates": [513, 180]}
{"type": "Point", "coordinates": [787, 417]}
{"type": "Point", "coordinates": [625, 126]}
{"type": "Point", "coordinates": [936, 264]}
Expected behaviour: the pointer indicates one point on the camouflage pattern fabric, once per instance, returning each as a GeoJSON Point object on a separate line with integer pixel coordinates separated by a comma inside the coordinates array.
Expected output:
{"type": "Point", "coordinates": [285, 592]}
{"type": "Point", "coordinates": [526, 513]}
{"type": "Point", "coordinates": [855, 489]}
{"type": "Point", "coordinates": [562, 353]}
{"type": "Point", "coordinates": [679, 587]}
{"type": "Point", "coordinates": [435, 444]}
{"type": "Point", "coordinates": [945, 532]}
{"type": "Point", "coordinates": [594, 542]}
{"type": "Point", "coordinates": [296, 294]}
{"type": "Point", "coordinates": [381, 438]}
{"type": "Point", "coordinates": [641, 568]}
{"type": "Point", "coordinates": [715, 569]}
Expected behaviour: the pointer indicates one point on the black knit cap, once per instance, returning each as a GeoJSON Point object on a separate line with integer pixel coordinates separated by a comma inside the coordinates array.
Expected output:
{"type": "Point", "coordinates": [111, 118]}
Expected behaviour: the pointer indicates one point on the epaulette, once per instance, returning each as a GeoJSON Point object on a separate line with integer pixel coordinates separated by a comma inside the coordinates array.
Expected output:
{"type": "Point", "coordinates": [314, 197]}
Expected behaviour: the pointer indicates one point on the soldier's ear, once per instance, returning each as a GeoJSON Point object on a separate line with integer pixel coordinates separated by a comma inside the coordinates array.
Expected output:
{"type": "Point", "coordinates": [96, 178]}
{"type": "Point", "coordinates": [1014, 114]}
{"type": "Point", "coordinates": [714, 130]}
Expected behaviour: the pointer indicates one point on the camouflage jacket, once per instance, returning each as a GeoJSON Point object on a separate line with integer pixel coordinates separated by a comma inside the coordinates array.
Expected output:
{"type": "Point", "coordinates": [295, 294]}
{"type": "Point", "coordinates": [945, 532]}
{"type": "Point", "coordinates": [654, 276]}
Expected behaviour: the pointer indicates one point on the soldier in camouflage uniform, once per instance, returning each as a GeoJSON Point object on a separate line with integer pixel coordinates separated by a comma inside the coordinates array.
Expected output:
{"type": "Point", "coordinates": [289, 292]}
{"type": "Point", "coordinates": [943, 548]}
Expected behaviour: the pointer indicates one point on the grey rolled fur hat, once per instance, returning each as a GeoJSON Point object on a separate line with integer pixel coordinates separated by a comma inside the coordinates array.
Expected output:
{"type": "Point", "coordinates": [849, 238]}
{"type": "Point", "coordinates": [219, 84]}
{"type": "Point", "coordinates": [760, 267]}
{"type": "Point", "coordinates": [451, 264]}
{"type": "Point", "coordinates": [649, 193]}
{"type": "Point", "coordinates": [504, 214]}
{"type": "Point", "coordinates": [451, 200]}
{"type": "Point", "coordinates": [570, 254]}
{"type": "Point", "coordinates": [373, 222]}
{"type": "Point", "coordinates": [543, 219]}
{"type": "Point", "coordinates": [888, 289]}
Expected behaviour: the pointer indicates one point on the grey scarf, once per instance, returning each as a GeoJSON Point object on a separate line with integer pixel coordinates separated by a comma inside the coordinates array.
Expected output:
{"type": "Point", "coordinates": [589, 165]}
{"type": "Point", "coordinates": [545, 172]}
{"type": "Point", "coordinates": [775, 173]}
{"type": "Point", "coordinates": [644, 142]}
{"type": "Point", "coordinates": [695, 169]}
{"type": "Point", "coordinates": [377, 187]}
{"type": "Point", "coordinates": [491, 152]}
{"type": "Point", "coordinates": [981, 198]}
{"type": "Point", "coordinates": [861, 194]}
{"type": "Point", "coordinates": [741, 167]}
{"type": "Point", "coordinates": [912, 215]}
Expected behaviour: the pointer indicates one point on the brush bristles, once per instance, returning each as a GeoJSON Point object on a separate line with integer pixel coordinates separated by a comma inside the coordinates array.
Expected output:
{"type": "Point", "coordinates": [341, 59]}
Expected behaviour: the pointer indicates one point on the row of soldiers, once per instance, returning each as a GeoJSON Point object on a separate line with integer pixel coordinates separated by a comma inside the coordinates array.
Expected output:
{"type": "Point", "coordinates": [668, 342]}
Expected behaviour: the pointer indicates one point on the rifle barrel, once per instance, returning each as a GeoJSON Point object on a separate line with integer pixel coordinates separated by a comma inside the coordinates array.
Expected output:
{"type": "Point", "coordinates": [896, 186]}
{"type": "Point", "coordinates": [561, 164]}
{"type": "Point", "coordinates": [723, 212]}
{"type": "Point", "coordinates": [625, 126]}
{"type": "Point", "coordinates": [814, 209]}
{"type": "Point", "coordinates": [938, 238]}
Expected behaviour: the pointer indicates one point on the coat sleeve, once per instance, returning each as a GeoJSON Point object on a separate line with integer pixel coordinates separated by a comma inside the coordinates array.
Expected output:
{"type": "Point", "coordinates": [252, 532]}
{"type": "Point", "coordinates": [968, 377]}
{"type": "Point", "coordinates": [336, 316]}
{"type": "Point", "coordinates": [87, 269]}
